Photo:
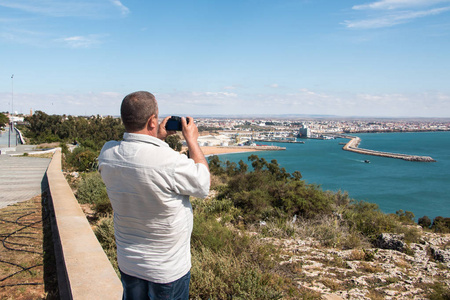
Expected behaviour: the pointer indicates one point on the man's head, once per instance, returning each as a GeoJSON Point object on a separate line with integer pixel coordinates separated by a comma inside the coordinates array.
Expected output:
{"type": "Point", "coordinates": [136, 110]}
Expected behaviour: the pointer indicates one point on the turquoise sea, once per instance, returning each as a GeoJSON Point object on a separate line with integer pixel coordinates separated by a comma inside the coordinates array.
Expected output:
{"type": "Point", "coordinates": [393, 184]}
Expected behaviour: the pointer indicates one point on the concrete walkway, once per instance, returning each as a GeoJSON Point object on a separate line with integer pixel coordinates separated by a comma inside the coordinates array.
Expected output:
{"type": "Point", "coordinates": [21, 178]}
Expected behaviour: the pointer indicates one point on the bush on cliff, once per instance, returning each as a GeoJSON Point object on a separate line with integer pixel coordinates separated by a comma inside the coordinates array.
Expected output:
{"type": "Point", "coordinates": [229, 264]}
{"type": "Point", "coordinates": [82, 159]}
{"type": "Point", "coordinates": [92, 190]}
{"type": "Point", "coordinates": [441, 224]}
{"type": "Point", "coordinates": [425, 222]}
{"type": "Point", "coordinates": [104, 231]}
{"type": "Point", "coordinates": [269, 192]}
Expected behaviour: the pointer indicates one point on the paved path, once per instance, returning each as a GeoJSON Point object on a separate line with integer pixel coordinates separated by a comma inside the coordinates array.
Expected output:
{"type": "Point", "coordinates": [21, 178]}
{"type": "Point", "coordinates": [8, 138]}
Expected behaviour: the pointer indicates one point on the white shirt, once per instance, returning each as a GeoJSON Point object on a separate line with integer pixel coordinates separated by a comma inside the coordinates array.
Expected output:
{"type": "Point", "coordinates": [149, 185]}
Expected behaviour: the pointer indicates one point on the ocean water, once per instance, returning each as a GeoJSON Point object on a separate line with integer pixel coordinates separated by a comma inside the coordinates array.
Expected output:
{"type": "Point", "coordinates": [393, 184]}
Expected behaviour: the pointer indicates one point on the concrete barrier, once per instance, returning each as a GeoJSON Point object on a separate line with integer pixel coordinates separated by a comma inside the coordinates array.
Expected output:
{"type": "Point", "coordinates": [84, 271]}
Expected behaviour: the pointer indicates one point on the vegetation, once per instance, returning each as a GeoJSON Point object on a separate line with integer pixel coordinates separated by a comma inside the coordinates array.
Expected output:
{"type": "Point", "coordinates": [439, 224]}
{"type": "Point", "coordinates": [90, 132]}
{"type": "Point", "coordinates": [4, 120]}
{"type": "Point", "coordinates": [174, 142]}
{"type": "Point", "coordinates": [230, 263]}
{"type": "Point", "coordinates": [92, 190]}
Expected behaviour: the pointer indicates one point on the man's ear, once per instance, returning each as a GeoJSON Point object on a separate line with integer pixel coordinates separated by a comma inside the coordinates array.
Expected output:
{"type": "Point", "coordinates": [152, 122]}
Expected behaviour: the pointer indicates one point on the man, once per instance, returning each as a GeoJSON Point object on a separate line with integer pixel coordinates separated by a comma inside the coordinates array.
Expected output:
{"type": "Point", "coordinates": [149, 185]}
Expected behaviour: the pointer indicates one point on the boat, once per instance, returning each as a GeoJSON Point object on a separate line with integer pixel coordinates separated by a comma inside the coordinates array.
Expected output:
{"type": "Point", "coordinates": [367, 161]}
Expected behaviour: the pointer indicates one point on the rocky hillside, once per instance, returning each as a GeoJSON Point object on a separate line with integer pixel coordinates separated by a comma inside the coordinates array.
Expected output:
{"type": "Point", "coordinates": [395, 270]}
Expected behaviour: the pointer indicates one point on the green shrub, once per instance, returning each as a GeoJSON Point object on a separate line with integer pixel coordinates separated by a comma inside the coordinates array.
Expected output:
{"type": "Point", "coordinates": [217, 275]}
{"type": "Point", "coordinates": [262, 195]}
{"type": "Point", "coordinates": [425, 222]}
{"type": "Point", "coordinates": [209, 233]}
{"type": "Point", "coordinates": [369, 220]}
{"type": "Point", "coordinates": [441, 224]}
{"type": "Point", "coordinates": [82, 159]}
{"type": "Point", "coordinates": [174, 142]}
{"type": "Point", "coordinates": [215, 165]}
{"type": "Point", "coordinates": [405, 217]}
{"type": "Point", "coordinates": [330, 232]}
{"type": "Point", "coordinates": [91, 188]}
{"type": "Point", "coordinates": [105, 235]}
{"type": "Point", "coordinates": [103, 206]}
{"type": "Point", "coordinates": [439, 291]}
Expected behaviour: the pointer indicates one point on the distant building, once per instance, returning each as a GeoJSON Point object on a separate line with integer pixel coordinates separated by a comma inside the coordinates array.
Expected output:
{"type": "Point", "coordinates": [16, 119]}
{"type": "Point", "coordinates": [304, 132]}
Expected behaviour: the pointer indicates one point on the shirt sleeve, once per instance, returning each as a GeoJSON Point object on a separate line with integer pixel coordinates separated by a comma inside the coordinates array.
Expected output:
{"type": "Point", "coordinates": [191, 178]}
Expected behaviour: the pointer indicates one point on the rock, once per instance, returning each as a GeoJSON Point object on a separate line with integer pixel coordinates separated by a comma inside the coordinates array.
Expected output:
{"type": "Point", "coordinates": [391, 241]}
{"type": "Point", "coordinates": [440, 255]}
{"type": "Point", "coordinates": [331, 297]}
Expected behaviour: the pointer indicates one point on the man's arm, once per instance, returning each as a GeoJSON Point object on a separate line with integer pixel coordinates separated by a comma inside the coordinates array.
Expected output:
{"type": "Point", "coordinates": [190, 134]}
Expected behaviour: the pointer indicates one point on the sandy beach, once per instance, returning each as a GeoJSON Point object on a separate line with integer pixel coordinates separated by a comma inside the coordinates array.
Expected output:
{"type": "Point", "coordinates": [216, 150]}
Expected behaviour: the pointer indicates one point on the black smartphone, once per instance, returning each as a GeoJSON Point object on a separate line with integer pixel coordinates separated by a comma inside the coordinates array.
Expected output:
{"type": "Point", "coordinates": [174, 124]}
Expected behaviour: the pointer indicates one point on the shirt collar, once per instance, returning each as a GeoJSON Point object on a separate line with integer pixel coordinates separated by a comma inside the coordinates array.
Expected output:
{"type": "Point", "coordinates": [137, 137]}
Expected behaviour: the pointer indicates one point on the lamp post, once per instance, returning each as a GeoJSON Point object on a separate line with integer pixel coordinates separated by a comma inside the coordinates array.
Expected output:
{"type": "Point", "coordinates": [11, 127]}
{"type": "Point", "coordinates": [12, 94]}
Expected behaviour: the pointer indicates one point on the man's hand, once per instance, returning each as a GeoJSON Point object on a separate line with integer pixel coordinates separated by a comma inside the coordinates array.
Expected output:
{"type": "Point", "coordinates": [190, 134]}
{"type": "Point", "coordinates": [189, 130]}
{"type": "Point", "coordinates": [162, 133]}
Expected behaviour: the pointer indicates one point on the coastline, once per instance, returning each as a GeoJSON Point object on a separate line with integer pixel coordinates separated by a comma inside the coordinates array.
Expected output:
{"type": "Point", "coordinates": [218, 150]}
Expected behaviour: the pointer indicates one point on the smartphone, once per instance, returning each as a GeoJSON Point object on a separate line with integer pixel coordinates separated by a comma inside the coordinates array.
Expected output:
{"type": "Point", "coordinates": [174, 124]}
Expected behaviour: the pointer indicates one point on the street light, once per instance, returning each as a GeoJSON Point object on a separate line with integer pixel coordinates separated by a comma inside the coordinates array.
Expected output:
{"type": "Point", "coordinates": [11, 127]}
{"type": "Point", "coordinates": [12, 94]}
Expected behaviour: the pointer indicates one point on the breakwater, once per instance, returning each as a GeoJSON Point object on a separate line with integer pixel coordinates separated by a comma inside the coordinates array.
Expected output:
{"type": "Point", "coordinates": [353, 144]}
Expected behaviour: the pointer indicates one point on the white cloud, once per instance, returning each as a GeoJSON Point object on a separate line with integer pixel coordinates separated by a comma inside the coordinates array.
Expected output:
{"type": "Point", "coordinates": [233, 87]}
{"type": "Point", "coordinates": [392, 19]}
{"type": "Point", "coordinates": [311, 93]}
{"type": "Point", "coordinates": [65, 8]}
{"type": "Point", "coordinates": [397, 4]}
{"type": "Point", "coordinates": [38, 15]}
{"type": "Point", "coordinates": [304, 101]}
{"type": "Point", "coordinates": [82, 41]}
{"type": "Point", "coordinates": [387, 13]}
{"type": "Point", "coordinates": [122, 7]}
{"type": "Point", "coordinates": [103, 103]}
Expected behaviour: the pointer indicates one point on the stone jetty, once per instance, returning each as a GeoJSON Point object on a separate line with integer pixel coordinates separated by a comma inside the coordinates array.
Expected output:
{"type": "Point", "coordinates": [353, 144]}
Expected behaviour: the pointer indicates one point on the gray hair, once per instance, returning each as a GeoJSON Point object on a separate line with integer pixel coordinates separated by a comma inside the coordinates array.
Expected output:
{"type": "Point", "coordinates": [136, 109]}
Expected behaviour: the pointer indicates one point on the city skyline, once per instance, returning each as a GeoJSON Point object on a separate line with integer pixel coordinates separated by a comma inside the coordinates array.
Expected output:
{"type": "Point", "coordinates": [386, 58]}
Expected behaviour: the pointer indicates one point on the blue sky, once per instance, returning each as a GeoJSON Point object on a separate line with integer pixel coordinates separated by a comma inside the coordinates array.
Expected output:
{"type": "Point", "coordinates": [381, 58]}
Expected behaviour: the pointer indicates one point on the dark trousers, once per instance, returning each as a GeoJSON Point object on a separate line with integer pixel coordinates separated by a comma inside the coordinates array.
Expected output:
{"type": "Point", "coordinates": [140, 289]}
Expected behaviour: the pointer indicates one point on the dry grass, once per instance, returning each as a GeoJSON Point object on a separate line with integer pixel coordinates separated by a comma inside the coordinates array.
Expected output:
{"type": "Point", "coordinates": [370, 268]}
{"type": "Point", "coordinates": [375, 295]}
{"type": "Point", "coordinates": [23, 274]}
{"type": "Point", "coordinates": [43, 155]}
{"type": "Point", "coordinates": [357, 254]}
{"type": "Point", "coordinates": [333, 285]}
